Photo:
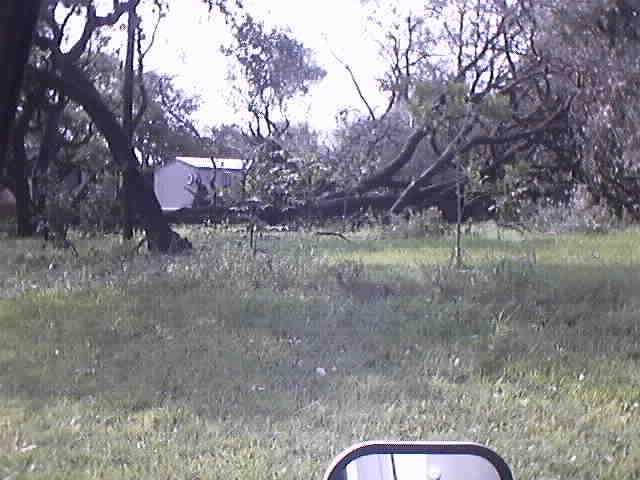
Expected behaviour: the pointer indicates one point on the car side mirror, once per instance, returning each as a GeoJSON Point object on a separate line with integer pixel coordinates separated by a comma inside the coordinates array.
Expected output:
{"type": "Point", "coordinates": [418, 461]}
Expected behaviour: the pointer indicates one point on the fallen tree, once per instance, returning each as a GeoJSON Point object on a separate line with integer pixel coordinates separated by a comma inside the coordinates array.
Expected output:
{"type": "Point", "coordinates": [494, 106]}
{"type": "Point", "coordinates": [442, 196]}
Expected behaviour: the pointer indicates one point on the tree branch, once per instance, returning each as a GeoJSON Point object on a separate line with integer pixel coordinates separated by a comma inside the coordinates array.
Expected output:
{"type": "Point", "coordinates": [443, 160]}
{"type": "Point", "coordinates": [94, 22]}
{"type": "Point", "coordinates": [453, 150]}
{"type": "Point", "coordinates": [144, 102]}
{"type": "Point", "coordinates": [348, 68]}
{"type": "Point", "coordinates": [380, 176]}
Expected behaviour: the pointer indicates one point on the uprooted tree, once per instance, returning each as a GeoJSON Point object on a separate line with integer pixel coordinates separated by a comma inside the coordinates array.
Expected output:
{"type": "Point", "coordinates": [524, 100]}
{"type": "Point", "coordinates": [504, 98]}
{"type": "Point", "coordinates": [476, 93]}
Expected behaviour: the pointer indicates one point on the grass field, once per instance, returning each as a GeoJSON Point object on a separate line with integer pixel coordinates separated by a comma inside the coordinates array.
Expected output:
{"type": "Point", "coordinates": [219, 364]}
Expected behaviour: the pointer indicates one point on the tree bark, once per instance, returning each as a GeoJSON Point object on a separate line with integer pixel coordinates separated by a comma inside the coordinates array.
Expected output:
{"type": "Point", "coordinates": [383, 175]}
{"type": "Point", "coordinates": [17, 20]}
{"type": "Point", "coordinates": [127, 119]}
{"type": "Point", "coordinates": [18, 174]}
{"type": "Point", "coordinates": [51, 144]}
{"type": "Point", "coordinates": [442, 196]}
{"type": "Point", "coordinates": [17, 168]}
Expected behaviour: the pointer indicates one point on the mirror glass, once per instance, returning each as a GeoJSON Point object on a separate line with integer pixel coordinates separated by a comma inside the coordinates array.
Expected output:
{"type": "Point", "coordinates": [416, 466]}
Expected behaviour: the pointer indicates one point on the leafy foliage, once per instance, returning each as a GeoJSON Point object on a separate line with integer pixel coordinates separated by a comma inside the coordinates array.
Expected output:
{"type": "Point", "coordinates": [272, 69]}
{"type": "Point", "coordinates": [599, 43]}
{"type": "Point", "coordinates": [166, 129]}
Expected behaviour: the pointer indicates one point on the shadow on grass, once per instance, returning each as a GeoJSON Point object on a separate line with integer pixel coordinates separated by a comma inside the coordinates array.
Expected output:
{"type": "Point", "coordinates": [221, 362]}
{"type": "Point", "coordinates": [291, 350]}
{"type": "Point", "coordinates": [242, 353]}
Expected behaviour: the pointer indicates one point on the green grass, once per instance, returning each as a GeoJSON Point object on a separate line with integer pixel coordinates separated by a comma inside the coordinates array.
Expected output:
{"type": "Point", "coordinates": [210, 365]}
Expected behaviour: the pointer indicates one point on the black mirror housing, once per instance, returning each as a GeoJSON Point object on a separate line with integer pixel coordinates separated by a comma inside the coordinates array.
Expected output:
{"type": "Point", "coordinates": [381, 460]}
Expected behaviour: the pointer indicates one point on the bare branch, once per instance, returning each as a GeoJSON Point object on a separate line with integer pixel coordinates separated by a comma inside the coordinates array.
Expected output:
{"type": "Point", "coordinates": [184, 122]}
{"type": "Point", "coordinates": [58, 31]}
{"type": "Point", "coordinates": [94, 22]}
{"type": "Point", "coordinates": [155, 30]}
{"type": "Point", "coordinates": [488, 44]}
{"type": "Point", "coordinates": [547, 124]}
{"type": "Point", "coordinates": [255, 133]}
{"type": "Point", "coordinates": [390, 104]}
{"type": "Point", "coordinates": [459, 57]}
{"type": "Point", "coordinates": [348, 68]}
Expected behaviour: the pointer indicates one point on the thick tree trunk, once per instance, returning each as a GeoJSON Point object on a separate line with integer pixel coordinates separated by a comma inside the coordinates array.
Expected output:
{"type": "Point", "coordinates": [442, 196]}
{"type": "Point", "coordinates": [74, 83]}
{"type": "Point", "coordinates": [17, 19]}
{"type": "Point", "coordinates": [18, 173]}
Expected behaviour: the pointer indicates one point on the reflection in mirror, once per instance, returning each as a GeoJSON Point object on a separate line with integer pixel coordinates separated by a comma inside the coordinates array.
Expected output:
{"type": "Point", "coordinates": [418, 466]}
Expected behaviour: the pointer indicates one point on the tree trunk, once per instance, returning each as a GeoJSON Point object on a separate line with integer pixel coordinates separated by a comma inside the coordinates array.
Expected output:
{"type": "Point", "coordinates": [18, 174]}
{"type": "Point", "coordinates": [74, 83]}
{"type": "Point", "coordinates": [459, 203]}
{"type": "Point", "coordinates": [17, 168]}
{"type": "Point", "coordinates": [127, 121]}
{"type": "Point", "coordinates": [383, 175]}
{"type": "Point", "coordinates": [51, 144]}
{"type": "Point", "coordinates": [17, 20]}
{"type": "Point", "coordinates": [345, 206]}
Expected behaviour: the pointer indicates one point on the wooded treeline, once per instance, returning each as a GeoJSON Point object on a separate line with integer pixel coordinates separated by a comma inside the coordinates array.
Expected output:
{"type": "Point", "coordinates": [494, 103]}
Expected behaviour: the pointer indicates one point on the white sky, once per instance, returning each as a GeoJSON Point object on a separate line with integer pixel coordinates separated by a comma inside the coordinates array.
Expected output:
{"type": "Point", "coordinates": [189, 40]}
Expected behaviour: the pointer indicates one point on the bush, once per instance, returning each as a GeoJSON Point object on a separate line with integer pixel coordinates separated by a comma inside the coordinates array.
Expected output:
{"type": "Point", "coordinates": [100, 211]}
{"type": "Point", "coordinates": [594, 219]}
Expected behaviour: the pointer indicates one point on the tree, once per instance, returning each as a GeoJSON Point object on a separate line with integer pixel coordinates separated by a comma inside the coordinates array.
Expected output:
{"type": "Point", "coordinates": [482, 101]}
{"type": "Point", "coordinates": [127, 115]}
{"type": "Point", "coordinates": [593, 47]}
{"type": "Point", "coordinates": [487, 94]}
{"type": "Point", "coordinates": [17, 20]}
{"type": "Point", "coordinates": [67, 76]}
{"type": "Point", "coordinates": [165, 128]}
{"type": "Point", "coordinates": [272, 69]}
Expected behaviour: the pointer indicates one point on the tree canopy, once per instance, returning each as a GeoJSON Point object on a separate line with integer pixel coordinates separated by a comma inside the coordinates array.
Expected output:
{"type": "Point", "coordinates": [517, 100]}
